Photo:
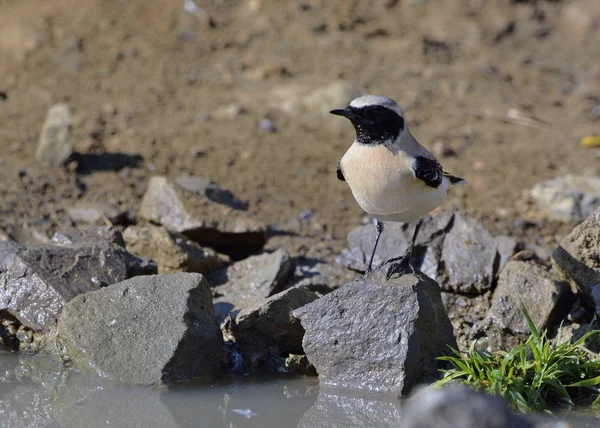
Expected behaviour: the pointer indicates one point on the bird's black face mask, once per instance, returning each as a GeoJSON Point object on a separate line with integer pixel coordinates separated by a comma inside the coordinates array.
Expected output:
{"type": "Point", "coordinates": [374, 124]}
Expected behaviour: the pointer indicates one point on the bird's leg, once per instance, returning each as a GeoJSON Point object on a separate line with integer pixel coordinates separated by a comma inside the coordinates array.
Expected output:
{"type": "Point", "coordinates": [398, 262]}
{"type": "Point", "coordinates": [379, 230]}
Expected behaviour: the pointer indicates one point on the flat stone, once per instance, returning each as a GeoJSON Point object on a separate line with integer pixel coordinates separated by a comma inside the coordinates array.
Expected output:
{"type": "Point", "coordinates": [547, 301]}
{"type": "Point", "coordinates": [223, 227]}
{"type": "Point", "coordinates": [37, 280]}
{"type": "Point", "coordinates": [577, 258]}
{"type": "Point", "coordinates": [271, 324]}
{"type": "Point", "coordinates": [171, 251]}
{"type": "Point", "coordinates": [507, 246]}
{"type": "Point", "coordinates": [459, 406]}
{"type": "Point", "coordinates": [55, 147]}
{"type": "Point", "coordinates": [377, 334]}
{"type": "Point", "coordinates": [568, 198]}
{"type": "Point", "coordinates": [145, 330]}
{"type": "Point", "coordinates": [210, 189]}
{"type": "Point", "coordinates": [249, 282]}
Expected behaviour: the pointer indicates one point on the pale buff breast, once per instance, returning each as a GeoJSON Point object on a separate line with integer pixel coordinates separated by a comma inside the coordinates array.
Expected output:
{"type": "Point", "coordinates": [384, 185]}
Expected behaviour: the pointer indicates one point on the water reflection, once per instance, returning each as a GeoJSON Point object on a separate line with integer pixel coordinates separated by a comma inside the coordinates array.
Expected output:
{"type": "Point", "coordinates": [39, 392]}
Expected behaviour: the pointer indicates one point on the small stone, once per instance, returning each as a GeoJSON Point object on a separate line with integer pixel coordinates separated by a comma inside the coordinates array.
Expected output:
{"type": "Point", "coordinates": [172, 252]}
{"type": "Point", "coordinates": [547, 301]}
{"type": "Point", "coordinates": [55, 147]}
{"type": "Point", "coordinates": [95, 213]}
{"type": "Point", "coordinates": [459, 406]}
{"type": "Point", "coordinates": [377, 334]}
{"type": "Point", "coordinates": [211, 190]}
{"type": "Point", "coordinates": [507, 246]}
{"type": "Point", "coordinates": [218, 224]}
{"type": "Point", "coordinates": [144, 331]}
{"type": "Point", "coordinates": [577, 258]}
{"type": "Point", "coordinates": [568, 198]}
{"type": "Point", "coordinates": [271, 324]}
{"type": "Point", "coordinates": [249, 282]}
{"type": "Point", "coordinates": [267, 126]}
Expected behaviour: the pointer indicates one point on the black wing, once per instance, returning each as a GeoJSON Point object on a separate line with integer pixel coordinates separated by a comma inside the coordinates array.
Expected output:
{"type": "Point", "coordinates": [338, 171]}
{"type": "Point", "coordinates": [429, 171]}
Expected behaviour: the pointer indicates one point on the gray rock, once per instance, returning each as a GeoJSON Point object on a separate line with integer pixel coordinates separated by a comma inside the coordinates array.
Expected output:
{"type": "Point", "coordinates": [210, 189]}
{"type": "Point", "coordinates": [351, 410]}
{"type": "Point", "coordinates": [394, 242]}
{"type": "Point", "coordinates": [145, 330]}
{"type": "Point", "coordinates": [577, 258]}
{"type": "Point", "coordinates": [459, 407]}
{"type": "Point", "coordinates": [547, 301]}
{"type": "Point", "coordinates": [376, 334]}
{"type": "Point", "coordinates": [271, 324]}
{"type": "Point", "coordinates": [55, 147]}
{"type": "Point", "coordinates": [95, 213]}
{"type": "Point", "coordinates": [88, 236]}
{"type": "Point", "coordinates": [507, 246]}
{"type": "Point", "coordinates": [249, 282]}
{"type": "Point", "coordinates": [171, 251]}
{"type": "Point", "coordinates": [452, 249]}
{"type": "Point", "coordinates": [469, 256]}
{"type": "Point", "coordinates": [568, 198]}
{"type": "Point", "coordinates": [319, 276]}
{"type": "Point", "coordinates": [224, 228]}
{"type": "Point", "coordinates": [37, 280]}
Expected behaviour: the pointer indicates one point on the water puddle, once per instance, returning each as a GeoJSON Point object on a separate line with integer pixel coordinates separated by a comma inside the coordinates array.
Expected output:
{"type": "Point", "coordinates": [38, 392]}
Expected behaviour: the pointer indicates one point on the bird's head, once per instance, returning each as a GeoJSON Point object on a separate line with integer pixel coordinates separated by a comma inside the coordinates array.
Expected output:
{"type": "Point", "coordinates": [377, 119]}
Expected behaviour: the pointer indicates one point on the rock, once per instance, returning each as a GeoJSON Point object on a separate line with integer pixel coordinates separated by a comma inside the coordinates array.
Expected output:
{"type": "Point", "coordinates": [465, 311]}
{"type": "Point", "coordinates": [507, 246]}
{"type": "Point", "coordinates": [577, 258]}
{"type": "Point", "coordinates": [393, 242]}
{"type": "Point", "coordinates": [95, 213]}
{"type": "Point", "coordinates": [222, 227]}
{"type": "Point", "coordinates": [596, 297]}
{"type": "Point", "coordinates": [4, 236]}
{"type": "Point", "coordinates": [210, 189]}
{"type": "Point", "coordinates": [106, 235]}
{"type": "Point", "coordinates": [172, 252]}
{"type": "Point", "coordinates": [376, 334]}
{"type": "Point", "coordinates": [344, 409]}
{"type": "Point", "coordinates": [459, 407]}
{"type": "Point", "coordinates": [319, 276]}
{"type": "Point", "coordinates": [469, 256]}
{"type": "Point", "coordinates": [568, 198]}
{"type": "Point", "coordinates": [55, 147]}
{"type": "Point", "coordinates": [37, 280]}
{"type": "Point", "coordinates": [145, 330]}
{"type": "Point", "coordinates": [455, 250]}
{"type": "Point", "coordinates": [547, 301]}
{"type": "Point", "coordinates": [271, 324]}
{"type": "Point", "coordinates": [249, 282]}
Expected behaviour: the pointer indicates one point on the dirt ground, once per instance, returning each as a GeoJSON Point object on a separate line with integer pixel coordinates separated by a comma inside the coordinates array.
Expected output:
{"type": "Point", "coordinates": [155, 89]}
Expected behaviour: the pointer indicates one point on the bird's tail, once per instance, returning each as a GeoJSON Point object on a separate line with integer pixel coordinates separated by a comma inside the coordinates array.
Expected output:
{"type": "Point", "coordinates": [455, 180]}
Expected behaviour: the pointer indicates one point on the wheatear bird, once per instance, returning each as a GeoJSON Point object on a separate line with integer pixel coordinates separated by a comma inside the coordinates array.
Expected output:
{"type": "Point", "coordinates": [392, 176]}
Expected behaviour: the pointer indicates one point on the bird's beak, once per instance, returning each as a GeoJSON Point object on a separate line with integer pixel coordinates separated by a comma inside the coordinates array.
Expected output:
{"type": "Point", "coordinates": [342, 112]}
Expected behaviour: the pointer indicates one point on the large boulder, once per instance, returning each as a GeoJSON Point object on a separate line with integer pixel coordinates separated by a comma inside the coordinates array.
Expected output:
{"type": "Point", "coordinates": [37, 280]}
{"type": "Point", "coordinates": [459, 407]}
{"type": "Point", "coordinates": [377, 334]}
{"type": "Point", "coordinates": [209, 216]}
{"type": "Point", "coordinates": [577, 258]}
{"type": "Point", "coordinates": [568, 198]}
{"type": "Point", "coordinates": [171, 251]}
{"type": "Point", "coordinates": [146, 330]}
{"type": "Point", "coordinates": [452, 249]}
{"type": "Point", "coordinates": [249, 282]}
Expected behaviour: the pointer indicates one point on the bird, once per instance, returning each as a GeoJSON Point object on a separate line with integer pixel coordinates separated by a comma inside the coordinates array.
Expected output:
{"type": "Point", "coordinates": [391, 175]}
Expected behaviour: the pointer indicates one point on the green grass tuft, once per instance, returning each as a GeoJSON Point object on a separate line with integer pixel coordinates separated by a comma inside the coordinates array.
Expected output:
{"type": "Point", "coordinates": [534, 376]}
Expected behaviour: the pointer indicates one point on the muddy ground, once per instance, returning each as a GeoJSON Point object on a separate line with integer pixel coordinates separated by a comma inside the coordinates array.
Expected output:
{"type": "Point", "coordinates": [158, 90]}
